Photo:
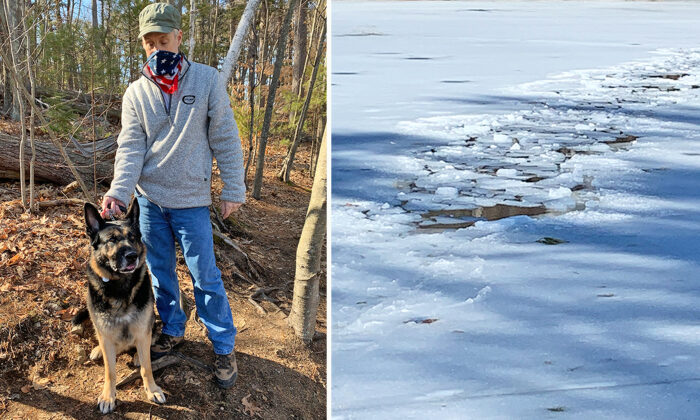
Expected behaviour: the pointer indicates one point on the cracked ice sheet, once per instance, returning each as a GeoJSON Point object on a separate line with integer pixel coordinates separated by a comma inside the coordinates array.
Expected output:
{"type": "Point", "coordinates": [603, 326]}
{"type": "Point", "coordinates": [578, 114]}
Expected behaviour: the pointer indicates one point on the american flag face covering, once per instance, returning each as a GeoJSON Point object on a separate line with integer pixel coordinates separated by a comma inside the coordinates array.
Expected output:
{"type": "Point", "coordinates": [164, 67]}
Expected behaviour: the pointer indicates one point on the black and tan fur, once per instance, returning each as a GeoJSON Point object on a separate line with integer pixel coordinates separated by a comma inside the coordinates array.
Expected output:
{"type": "Point", "coordinates": [120, 298]}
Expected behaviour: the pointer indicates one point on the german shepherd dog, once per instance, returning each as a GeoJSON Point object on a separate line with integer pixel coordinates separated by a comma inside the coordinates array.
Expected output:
{"type": "Point", "coordinates": [119, 298]}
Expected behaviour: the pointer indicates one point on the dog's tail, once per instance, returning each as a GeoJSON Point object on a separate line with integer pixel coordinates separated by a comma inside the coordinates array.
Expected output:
{"type": "Point", "coordinates": [80, 317]}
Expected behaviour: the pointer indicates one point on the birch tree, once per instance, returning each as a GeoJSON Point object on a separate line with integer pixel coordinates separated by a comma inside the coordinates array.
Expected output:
{"type": "Point", "coordinates": [302, 317]}
{"type": "Point", "coordinates": [235, 48]}
{"type": "Point", "coordinates": [193, 18]}
{"type": "Point", "coordinates": [30, 76]}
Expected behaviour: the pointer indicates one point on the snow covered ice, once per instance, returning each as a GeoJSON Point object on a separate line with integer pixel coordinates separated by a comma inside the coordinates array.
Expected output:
{"type": "Point", "coordinates": [448, 301]}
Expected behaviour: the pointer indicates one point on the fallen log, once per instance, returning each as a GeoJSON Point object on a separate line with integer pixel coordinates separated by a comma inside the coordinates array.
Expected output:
{"type": "Point", "coordinates": [61, 202]}
{"type": "Point", "coordinates": [261, 293]}
{"type": "Point", "coordinates": [85, 98]}
{"type": "Point", "coordinates": [106, 105]}
{"type": "Point", "coordinates": [50, 165]}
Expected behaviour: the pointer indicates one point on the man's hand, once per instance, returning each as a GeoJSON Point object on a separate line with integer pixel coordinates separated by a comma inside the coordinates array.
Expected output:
{"type": "Point", "coordinates": [111, 208]}
{"type": "Point", "coordinates": [228, 207]}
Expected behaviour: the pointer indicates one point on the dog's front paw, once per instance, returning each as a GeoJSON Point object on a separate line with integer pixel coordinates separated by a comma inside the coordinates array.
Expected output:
{"type": "Point", "coordinates": [96, 354]}
{"type": "Point", "coordinates": [156, 395]}
{"type": "Point", "coordinates": [106, 402]}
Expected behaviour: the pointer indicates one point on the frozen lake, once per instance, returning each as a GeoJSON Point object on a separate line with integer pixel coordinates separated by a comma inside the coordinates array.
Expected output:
{"type": "Point", "coordinates": [445, 114]}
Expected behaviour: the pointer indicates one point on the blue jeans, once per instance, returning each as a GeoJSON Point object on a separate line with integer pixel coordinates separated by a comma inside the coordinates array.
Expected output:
{"type": "Point", "coordinates": [161, 227]}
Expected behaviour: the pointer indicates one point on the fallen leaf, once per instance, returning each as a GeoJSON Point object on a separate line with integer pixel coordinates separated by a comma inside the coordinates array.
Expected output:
{"type": "Point", "coordinates": [65, 314]}
{"type": "Point", "coordinates": [249, 407]}
{"type": "Point", "coordinates": [15, 259]}
{"type": "Point", "coordinates": [26, 388]}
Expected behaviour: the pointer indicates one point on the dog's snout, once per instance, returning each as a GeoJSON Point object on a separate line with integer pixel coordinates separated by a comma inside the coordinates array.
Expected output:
{"type": "Point", "coordinates": [130, 256]}
{"type": "Point", "coordinates": [127, 259]}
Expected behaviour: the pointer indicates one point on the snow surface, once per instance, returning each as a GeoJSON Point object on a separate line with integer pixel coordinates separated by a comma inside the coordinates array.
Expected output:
{"type": "Point", "coordinates": [590, 110]}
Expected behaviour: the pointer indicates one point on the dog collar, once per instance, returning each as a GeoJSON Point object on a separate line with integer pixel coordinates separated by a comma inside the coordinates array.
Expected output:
{"type": "Point", "coordinates": [105, 280]}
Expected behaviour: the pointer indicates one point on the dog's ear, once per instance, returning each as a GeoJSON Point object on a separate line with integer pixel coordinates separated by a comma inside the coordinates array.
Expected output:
{"type": "Point", "coordinates": [132, 215]}
{"type": "Point", "coordinates": [93, 221]}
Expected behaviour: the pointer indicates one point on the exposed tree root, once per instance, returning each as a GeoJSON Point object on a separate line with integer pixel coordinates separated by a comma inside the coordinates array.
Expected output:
{"type": "Point", "coordinates": [261, 293]}
{"type": "Point", "coordinates": [157, 364]}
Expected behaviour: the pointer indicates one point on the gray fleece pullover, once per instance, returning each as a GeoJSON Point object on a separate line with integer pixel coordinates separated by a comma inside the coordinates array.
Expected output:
{"type": "Point", "coordinates": [167, 154]}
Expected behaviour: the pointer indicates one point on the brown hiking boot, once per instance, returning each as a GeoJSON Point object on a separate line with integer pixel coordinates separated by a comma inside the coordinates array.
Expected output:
{"type": "Point", "coordinates": [225, 370]}
{"type": "Point", "coordinates": [164, 345]}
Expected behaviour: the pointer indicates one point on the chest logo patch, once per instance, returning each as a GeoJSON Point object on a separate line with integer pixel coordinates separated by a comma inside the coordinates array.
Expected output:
{"type": "Point", "coordinates": [188, 99]}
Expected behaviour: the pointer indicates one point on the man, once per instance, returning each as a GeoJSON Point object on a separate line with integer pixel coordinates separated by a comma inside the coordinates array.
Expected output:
{"type": "Point", "coordinates": [174, 119]}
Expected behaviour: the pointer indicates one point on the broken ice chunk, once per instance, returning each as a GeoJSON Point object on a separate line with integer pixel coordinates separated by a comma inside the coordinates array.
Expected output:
{"type": "Point", "coordinates": [501, 138]}
{"type": "Point", "coordinates": [447, 192]}
{"type": "Point", "coordinates": [508, 173]}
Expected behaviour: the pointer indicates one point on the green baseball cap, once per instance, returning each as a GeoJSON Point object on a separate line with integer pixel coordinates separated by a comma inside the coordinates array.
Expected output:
{"type": "Point", "coordinates": [158, 17]}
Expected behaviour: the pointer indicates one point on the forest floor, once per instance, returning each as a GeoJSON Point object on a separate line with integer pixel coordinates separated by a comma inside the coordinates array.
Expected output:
{"type": "Point", "coordinates": [44, 369]}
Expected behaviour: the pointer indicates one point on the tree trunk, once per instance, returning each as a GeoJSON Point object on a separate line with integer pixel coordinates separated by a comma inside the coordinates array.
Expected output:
{"type": "Point", "coordinates": [302, 316]}
{"type": "Point", "coordinates": [7, 96]}
{"type": "Point", "coordinates": [279, 58]}
{"type": "Point", "coordinates": [13, 29]}
{"type": "Point", "coordinates": [318, 14]}
{"type": "Point", "coordinates": [317, 141]}
{"type": "Point", "coordinates": [193, 18]}
{"type": "Point", "coordinates": [95, 31]}
{"type": "Point", "coordinates": [7, 89]}
{"type": "Point", "coordinates": [32, 161]}
{"type": "Point", "coordinates": [212, 49]}
{"type": "Point", "coordinates": [289, 159]}
{"type": "Point", "coordinates": [235, 48]}
{"type": "Point", "coordinates": [300, 52]}
{"type": "Point", "coordinates": [263, 56]}
{"type": "Point", "coordinates": [252, 52]}
{"type": "Point", "coordinates": [59, 22]}
{"type": "Point", "coordinates": [50, 166]}
{"type": "Point", "coordinates": [12, 13]}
